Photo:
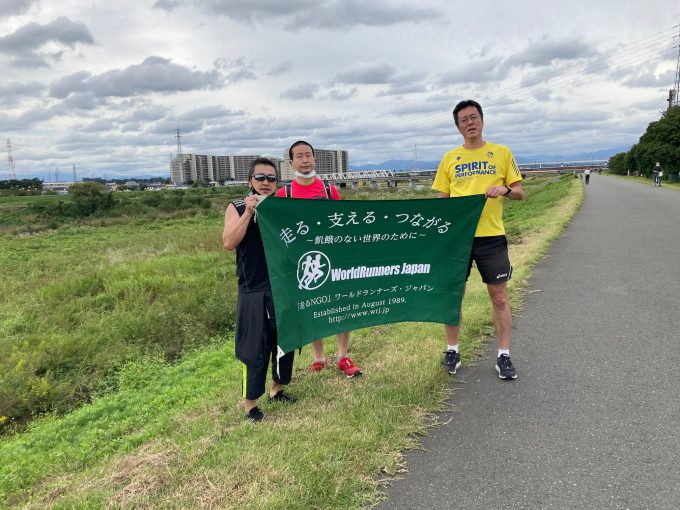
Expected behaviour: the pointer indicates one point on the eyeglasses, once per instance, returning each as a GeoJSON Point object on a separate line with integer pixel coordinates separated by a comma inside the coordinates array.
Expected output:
{"type": "Point", "coordinates": [471, 118]}
{"type": "Point", "coordinates": [262, 177]}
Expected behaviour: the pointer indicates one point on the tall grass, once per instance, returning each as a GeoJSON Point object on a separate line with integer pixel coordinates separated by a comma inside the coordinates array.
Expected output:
{"type": "Point", "coordinates": [77, 304]}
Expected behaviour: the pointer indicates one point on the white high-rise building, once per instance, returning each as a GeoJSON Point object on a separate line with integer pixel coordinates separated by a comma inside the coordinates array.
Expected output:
{"type": "Point", "coordinates": [208, 168]}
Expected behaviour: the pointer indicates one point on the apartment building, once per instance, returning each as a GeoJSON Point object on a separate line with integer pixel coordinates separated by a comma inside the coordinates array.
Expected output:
{"type": "Point", "coordinates": [209, 168]}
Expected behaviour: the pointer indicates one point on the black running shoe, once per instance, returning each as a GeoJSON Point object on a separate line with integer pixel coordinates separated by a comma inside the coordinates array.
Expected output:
{"type": "Point", "coordinates": [451, 361]}
{"type": "Point", "coordinates": [504, 367]}
{"type": "Point", "coordinates": [255, 414]}
{"type": "Point", "coordinates": [282, 397]}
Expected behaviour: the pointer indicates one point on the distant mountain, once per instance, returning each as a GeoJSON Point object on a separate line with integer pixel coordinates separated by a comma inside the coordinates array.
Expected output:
{"type": "Point", "coordinates": [403, 165]}
{"type": "Point", "coordinates": [583, 156]}
{"type": "Point", "coordinates": [398, 165]}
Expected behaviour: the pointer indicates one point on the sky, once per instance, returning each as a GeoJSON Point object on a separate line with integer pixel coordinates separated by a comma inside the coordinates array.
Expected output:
{"type": "Point", "coordinates": [103, 85]}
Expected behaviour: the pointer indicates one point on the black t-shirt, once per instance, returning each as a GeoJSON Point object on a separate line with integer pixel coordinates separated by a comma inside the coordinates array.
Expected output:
{"type": "Point", "coordinates": [251, 266]}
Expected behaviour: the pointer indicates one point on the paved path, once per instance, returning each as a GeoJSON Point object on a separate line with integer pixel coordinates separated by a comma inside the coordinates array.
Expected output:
{"type": "Point", "coordinates": [593, 421]}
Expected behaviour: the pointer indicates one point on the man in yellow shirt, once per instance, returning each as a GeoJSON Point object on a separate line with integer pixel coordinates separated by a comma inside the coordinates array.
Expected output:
{"type": "Point", "coordinates": [480, 167]}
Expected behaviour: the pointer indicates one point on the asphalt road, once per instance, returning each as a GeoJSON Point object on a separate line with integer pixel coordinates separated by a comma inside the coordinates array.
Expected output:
{"type": "Point", "coordinates": [593, 420]}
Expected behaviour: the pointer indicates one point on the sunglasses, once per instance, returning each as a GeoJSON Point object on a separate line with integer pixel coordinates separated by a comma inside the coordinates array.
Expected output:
{"type": "Point", "coordinates": [262, 177]}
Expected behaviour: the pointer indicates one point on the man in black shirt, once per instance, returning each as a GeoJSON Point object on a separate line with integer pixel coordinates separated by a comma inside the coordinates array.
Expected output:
{"type": "Point", "coordinates": [256, 339]}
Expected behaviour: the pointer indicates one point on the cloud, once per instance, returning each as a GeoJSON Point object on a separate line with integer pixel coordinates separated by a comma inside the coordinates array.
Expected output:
{"type": "Point", "coordinates": [24, 43]}
{"type": "Point", "coordinates": [479, 71]}
{"type": "Point", "coordinates": [155, 74]}
{"type": "Point", "coordinates": [300, 92]}
{"type": "Point", "coordinates": [31, 117]}
{"type": "Point", "coordinates": [99, 125]}
{"type": "Point", "coordinates": [210, 112]}
{"type": "Point", "coordinates": [235, 70]}
{"type": "Point", "coordinates": [319, 14]}
{"type": "Point", "coordinates": [367, 73]}
{"type": "Point", "coordinates": [282, 68]}
{"type": "Point", "coordinates": [417, 108]}
{"type": "Point", "coordinates": [649, 79]}
{"type": "Point", "coordinates": [167, 5]}
{"type": "Point", "coordinates": [406, 87]}
{"type": "Point", "coordinates": [13, 92]}
{"type": "Point", "coordinates": [545, 51]}
{"type": "Point", "coordinates": [13, 7]}
{"type": "Point", "coordinates": [341, 95]}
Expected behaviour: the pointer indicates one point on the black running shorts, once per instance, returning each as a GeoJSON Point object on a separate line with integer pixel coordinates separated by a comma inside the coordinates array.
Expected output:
{"type": "Point", "coordinates": [491, 256]}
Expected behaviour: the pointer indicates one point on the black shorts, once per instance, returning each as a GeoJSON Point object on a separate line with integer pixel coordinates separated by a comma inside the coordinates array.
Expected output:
{"type": "Point", "coordinates": [256, 343]}
{"type": "Point", "coordinates": [491, 256]}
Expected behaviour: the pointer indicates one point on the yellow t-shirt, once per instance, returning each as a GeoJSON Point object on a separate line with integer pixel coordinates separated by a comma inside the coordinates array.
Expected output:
{"type": "Point", "coordinates": [464, 172]}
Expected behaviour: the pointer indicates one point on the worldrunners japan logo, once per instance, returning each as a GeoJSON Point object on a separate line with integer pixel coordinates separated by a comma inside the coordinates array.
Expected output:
{"type": "Point", "coordinates": [313, 270]}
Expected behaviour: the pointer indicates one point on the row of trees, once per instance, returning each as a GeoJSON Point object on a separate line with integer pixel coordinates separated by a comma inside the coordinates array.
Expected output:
{"type": "Point", "coordinates": [93, 199]}
{"type": "Point", "coordinates": [661, 142]}
{"type": "Point", "coordinates": [20, 187]}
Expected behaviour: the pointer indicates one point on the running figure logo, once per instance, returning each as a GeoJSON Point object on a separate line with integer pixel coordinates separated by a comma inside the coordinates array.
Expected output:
{"type": "Point", "coordinates": [313, 270]}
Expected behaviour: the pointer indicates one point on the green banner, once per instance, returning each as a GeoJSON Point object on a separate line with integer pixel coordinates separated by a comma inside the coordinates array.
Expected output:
{"type": "Point", "coordinates": [340, 265]}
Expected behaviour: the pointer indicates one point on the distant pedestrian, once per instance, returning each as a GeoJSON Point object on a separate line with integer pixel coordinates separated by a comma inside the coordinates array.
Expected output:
{"type": "Point", "coordinates": [657, 173]}
{"type": "Point", "coordinates": [586, 173]}
{"type": "Point", "coordinates": [489, 246]}
{"type": "Point", "coordinates": [256, 335]}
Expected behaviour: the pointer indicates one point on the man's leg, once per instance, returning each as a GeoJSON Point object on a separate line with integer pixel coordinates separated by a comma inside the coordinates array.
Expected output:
{"type": "Point", "coordinates": [502, 322]}
{"type": "Point", "coordinates": [317, 350]}
{"type": "Point", "coordinates": [451, 333]}
{"type": "Point", "coordinates": [345, 365]}
{"type": "Point", "coordinates": [343, 344]}
{"type": "Point", "coordinates": [502, 317]}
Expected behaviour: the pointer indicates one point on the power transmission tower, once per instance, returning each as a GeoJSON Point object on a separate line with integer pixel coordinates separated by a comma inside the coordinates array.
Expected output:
{"type": "Point", "coordinates": [415, 158]}
{"type": "Point", "coordinates": [10, 161]}
{"type": "Point", "coordinates": [178, 135]}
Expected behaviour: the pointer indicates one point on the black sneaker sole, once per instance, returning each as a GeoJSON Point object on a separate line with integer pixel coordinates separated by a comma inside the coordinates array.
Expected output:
{"type": "Point", "coordinates": [510, 378]}
{"type": "Point", "coordinates": [452, 372]}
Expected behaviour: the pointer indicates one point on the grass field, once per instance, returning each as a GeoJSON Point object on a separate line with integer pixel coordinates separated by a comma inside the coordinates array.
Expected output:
{"type": "Point", "coordinates": [160, 434]}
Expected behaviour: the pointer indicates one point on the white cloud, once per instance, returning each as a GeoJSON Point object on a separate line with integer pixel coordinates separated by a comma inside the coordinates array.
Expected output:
{"type": "Point", "coordinates": [154, 74]}
{"type": "Point", "coordinates": [107, 83]}
{"type": "Point", "coordinates": [301, 91]}
{"type": "Point", "coordinates": [23, 44]}
{"type": "Point", "coordinates": [14, 7]}
{"type": "Point", "coordinates": [315, 14]}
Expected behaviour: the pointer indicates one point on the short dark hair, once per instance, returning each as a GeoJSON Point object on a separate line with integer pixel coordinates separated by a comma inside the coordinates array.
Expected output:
{"type": "Point", "coordinates": [299, 142]}
{"type": "Point", "coordinates": [260, 161]}
{"type": "Point", "coordinates": [465, 104]}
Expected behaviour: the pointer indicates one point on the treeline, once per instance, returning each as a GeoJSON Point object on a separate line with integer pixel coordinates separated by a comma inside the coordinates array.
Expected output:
{"type": "Point", "coordinates": [659, 143]}
{"type": "Point", "coordinates": [18, 187]}
{"type": "Point", "coordinates": [92, 200]}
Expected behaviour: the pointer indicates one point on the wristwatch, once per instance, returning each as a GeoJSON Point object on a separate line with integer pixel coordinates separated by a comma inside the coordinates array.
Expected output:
{"type": "Point", "coordinates": [507, 192]}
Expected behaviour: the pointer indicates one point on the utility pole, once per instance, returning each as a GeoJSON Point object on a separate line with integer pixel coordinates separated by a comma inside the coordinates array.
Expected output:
{"type": "Point", "coordinates": [675, 91]}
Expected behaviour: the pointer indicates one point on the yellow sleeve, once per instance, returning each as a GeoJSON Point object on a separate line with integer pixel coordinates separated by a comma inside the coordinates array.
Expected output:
{"type": "Point", "coordinates": [512, 172]}
{"type": "Point", "coordinates": [441, 179]}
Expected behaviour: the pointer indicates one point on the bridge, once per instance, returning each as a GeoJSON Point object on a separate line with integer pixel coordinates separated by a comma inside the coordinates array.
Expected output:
{"type": "Point", "coordinates": [392, 178]}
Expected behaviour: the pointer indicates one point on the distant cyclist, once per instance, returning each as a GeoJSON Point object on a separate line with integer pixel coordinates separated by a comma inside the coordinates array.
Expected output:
{"type": "Point", "coordinates": [658, 174]}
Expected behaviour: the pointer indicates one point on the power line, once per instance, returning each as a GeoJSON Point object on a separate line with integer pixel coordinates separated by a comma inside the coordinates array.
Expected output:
{"type": "Point", "coordinates": [612, 60]}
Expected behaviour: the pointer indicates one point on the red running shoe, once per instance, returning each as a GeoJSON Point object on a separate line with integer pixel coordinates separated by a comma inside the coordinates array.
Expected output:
{"type": "Point", "coordinates": [317, 366]}
{"type": "Point", "coordinates": [346, 366]}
